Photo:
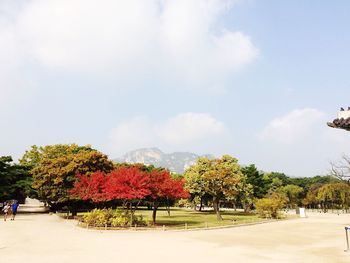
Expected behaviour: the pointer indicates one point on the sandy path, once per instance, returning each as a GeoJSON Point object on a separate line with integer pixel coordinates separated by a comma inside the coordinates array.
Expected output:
{"type": "Point", "coordinates": [49, 239]}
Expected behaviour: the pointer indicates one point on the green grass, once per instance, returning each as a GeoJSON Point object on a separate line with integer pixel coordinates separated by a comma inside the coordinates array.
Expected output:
{"type": "Point", "coordinates": [179, 218]}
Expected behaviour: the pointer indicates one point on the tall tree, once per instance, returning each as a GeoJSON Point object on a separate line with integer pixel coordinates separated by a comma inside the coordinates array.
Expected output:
{"type": "Point", "coordinates": [256, 179]}
{"type": "Point", "coordinates": [131, 185]}
{"type": "Point", "coordinates": [15, 181]}
{"type": "Point", "coordinates": [334, 195]}
{"type": "Point", "coordinates": [195, 183]}
{"type": "Point", "coordinates": [90, 187]}
{"type": "Point", "coordinates": [163, 187]}
{"type": "Point", "coordinates": [293, 193]}
{"type": "Point", "coordinates": [311, 195]}
{"type": "Point", "coordinates": [284, 179]}
{"type": "Point", "coordinates": [222, 180]}
{"type": "Point", "coordinates": [218, 178]}
{"type": "Point", "coordinates": [54, 170]}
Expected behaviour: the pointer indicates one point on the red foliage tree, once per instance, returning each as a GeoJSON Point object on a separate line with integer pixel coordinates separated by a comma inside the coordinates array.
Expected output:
{"type": "Point", "coordinates": [131, 185]}
{"type": "Point", "coordinates": [163, 187]}
{"type": "Point", "coordinates": [127, 183]}
{"type": "Point", "coordinates": [90, 187]}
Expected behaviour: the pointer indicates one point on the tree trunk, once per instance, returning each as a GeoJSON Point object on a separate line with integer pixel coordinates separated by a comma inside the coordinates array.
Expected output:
{"type": "Point", "coordinates": [247, 208]}
{"type": "Point", "coordinates": [129, 210]}
{"type": "Point", "coordinates": [217, 208]}
{"type": "Point", "coordinates": [201, 205]}
{"type": "Point", "coordinates": [168, 206]}
{"type": "Point", "coordinates": [154, 213]}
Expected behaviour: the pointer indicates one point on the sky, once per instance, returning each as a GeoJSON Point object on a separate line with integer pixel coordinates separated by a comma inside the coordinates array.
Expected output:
{"type": "Point", "coordinates": [254, 79]}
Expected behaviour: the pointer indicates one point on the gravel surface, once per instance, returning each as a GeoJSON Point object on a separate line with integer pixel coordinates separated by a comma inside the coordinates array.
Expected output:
{"type": "Point", "coordinates": [44, 238]}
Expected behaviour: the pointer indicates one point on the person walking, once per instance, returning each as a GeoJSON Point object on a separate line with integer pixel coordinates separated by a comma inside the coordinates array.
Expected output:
{"type": "Point", "coordinates": [14, 207]}
{"type": "Point", "coordinates": [6, 210]}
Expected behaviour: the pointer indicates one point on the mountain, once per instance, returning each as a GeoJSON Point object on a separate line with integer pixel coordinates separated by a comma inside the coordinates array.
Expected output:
{"type": "Point", "coordinates": [176, 162]}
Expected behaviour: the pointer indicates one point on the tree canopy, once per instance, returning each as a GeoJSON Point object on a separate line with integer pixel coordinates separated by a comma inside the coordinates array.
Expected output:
{"type": "Point", "coordinates": [54, 169]}
{"type": "Point", "coordinates": [130, 184]}
{"type": "Point", "coordinates": [15, 181]}
{"type": "Point", "coordinates": [218, 178]}
{"type": "Point", "coordinates": [256, 179]}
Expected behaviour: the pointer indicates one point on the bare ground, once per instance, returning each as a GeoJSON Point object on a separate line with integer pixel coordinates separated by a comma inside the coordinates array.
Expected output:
{"type": "Point", "coordinates": [46, 238]}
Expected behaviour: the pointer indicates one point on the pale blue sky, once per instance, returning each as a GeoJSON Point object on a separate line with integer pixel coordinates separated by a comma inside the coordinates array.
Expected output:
{"type": "Point", "coordinates": [255, 79]}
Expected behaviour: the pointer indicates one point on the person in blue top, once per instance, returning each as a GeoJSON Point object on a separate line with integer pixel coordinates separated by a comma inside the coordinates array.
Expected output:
{"type": "Point", "coordinates": [14, 207]}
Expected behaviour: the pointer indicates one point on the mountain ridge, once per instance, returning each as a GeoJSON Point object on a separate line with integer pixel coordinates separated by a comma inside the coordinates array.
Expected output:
{"type": "Point", "coordinates": [176, 162]}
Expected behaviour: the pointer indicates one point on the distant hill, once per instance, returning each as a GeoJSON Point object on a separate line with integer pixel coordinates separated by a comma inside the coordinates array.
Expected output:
{"type": "Point", "coordinates": [176, 162]}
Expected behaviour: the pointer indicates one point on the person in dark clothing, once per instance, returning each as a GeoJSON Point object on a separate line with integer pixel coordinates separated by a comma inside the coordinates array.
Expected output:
{"type": "Point", "coordinates": [14, 207]}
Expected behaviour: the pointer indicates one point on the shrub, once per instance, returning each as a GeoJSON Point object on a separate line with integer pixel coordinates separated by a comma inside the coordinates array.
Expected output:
{"type": "Point", "coordinates": [184, 203]}
{"type": "Point", "coordinates": [98, 217]}
{"type": "Point", "coordinates": [115, 218]}
{"type": "Point", "coordinates": [269, 207]}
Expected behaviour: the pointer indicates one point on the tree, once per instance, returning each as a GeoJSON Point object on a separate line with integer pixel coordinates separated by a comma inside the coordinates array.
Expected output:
{"type": "Point", "coordinates": [276, 180]}
{"type": "Point", "coordinates": [334, 194]}
{"type": "Point", "coordinates": [341, 169]}
{"type": "Point", "coordinates": [245, 196]}
{"type": "Point", "coordinates": [195, 183]}
{"type": "Point", "coordinates": [275, 183]}
{"type": "Point", "coordinates": [219, 178]}
{"type": "Point", "coordinates": [163, 187]}
{"type": "Point", "coordinates": [256, 179]}
{"type": "Point", "coordinates": [311, 195]}
{"type": "Point", "coordinates": [90, 187]}
{"type": "Point", "coordinates": [54, 170]}
{"type": "Point", "coordinates": [131, 185]}
{"type": "Point", "coordinates": [32, 157]}
{"type": "Point", "coordinates": [292, 192]}
{"type": "Point", "coordinates": [127, 184]}
{"type": "Point", "coordinates": [15, 181]}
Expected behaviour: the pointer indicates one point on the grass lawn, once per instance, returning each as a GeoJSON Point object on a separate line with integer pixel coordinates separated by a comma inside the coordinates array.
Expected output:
{"type": "Point", "coordinates": [180, 217]}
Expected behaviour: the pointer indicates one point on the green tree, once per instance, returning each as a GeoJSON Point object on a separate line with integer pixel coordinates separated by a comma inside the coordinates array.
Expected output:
{"type": "Point", "coordinates": [218, 178]}
{"type": "Point", "coordinates": [195, 183]}
{"type": "Point", "coordinates": [32, 157]}
{"type": "Point", "coordinates": [54, 169]}
{"type": "Point", "coordinates": [276, 180]}
{"type": "Point", "coordinates": [275, 185]}
{"type": "Point", "coordinates": [334, 195]}
{"type": "Point", "coordinates": [245, 195]}
{"type": "Point", "coordinates": [256, 179]}
{"type": "Point", "coordinates": [293, 193]}
{"type": "Point", "coordinates": [15, 181]}
{"type": "Point", "coordinates": [307, 182]}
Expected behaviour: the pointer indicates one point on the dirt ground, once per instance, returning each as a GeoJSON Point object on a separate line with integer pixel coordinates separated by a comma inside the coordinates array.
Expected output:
{"type": "Point", "coordinates": [46, 238]}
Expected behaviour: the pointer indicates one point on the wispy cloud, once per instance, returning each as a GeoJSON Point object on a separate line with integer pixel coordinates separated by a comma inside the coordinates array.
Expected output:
{"type": "Point", "coordinates": [300, 143]}
{"type": "Point", "coordinates": [297, 125]}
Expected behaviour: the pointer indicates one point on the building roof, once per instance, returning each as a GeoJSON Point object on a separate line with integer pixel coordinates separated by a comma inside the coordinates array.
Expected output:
{"type": "Point", "coordinates": [340, 123]}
